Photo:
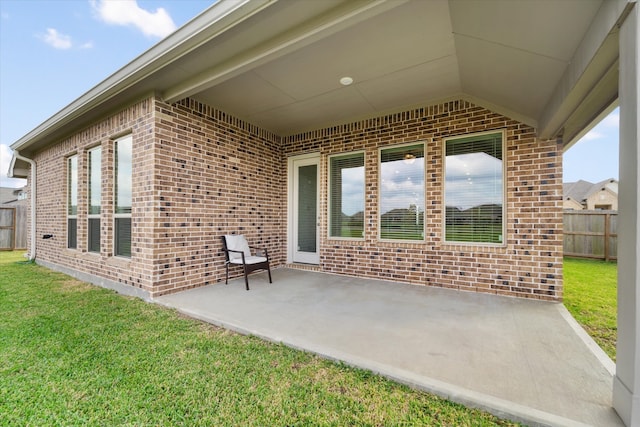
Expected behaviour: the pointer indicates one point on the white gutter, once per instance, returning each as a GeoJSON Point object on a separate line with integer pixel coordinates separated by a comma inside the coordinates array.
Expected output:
{"type": "Point", "coordinates": [32, 248]}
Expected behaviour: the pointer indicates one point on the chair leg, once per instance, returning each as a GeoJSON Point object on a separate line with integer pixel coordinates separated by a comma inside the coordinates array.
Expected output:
{"type": "Point", "coordinates": [269, 271]}
{"type": "Point", "coordinates": [246, 277]}
{"type": "Point", "coordinates": [226, 279]}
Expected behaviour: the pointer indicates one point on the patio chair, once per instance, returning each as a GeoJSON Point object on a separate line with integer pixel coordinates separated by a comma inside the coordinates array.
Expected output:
{"type": "Point", "coordinates": [238, 252]}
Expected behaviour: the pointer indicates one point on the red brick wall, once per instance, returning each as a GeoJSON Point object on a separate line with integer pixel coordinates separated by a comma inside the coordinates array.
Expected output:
{"type": "Point", "coordinates": [214, 175]}
{"type": "Point", "coordinates": [200, 173]}
{"type": "Point", "coordinates": [137, 120]}
{"type": "Point", "coordinates": [528, 265]}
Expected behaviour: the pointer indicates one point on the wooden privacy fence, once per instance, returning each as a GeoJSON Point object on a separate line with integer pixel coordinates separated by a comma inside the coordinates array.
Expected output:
{"type": "Point", "coordinates": [13, 228]}
{"type": "Point", "coordinates": [591, 234]}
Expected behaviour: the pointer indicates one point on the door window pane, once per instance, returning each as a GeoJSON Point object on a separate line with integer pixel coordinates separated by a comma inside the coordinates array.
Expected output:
{"type": "Point", "coordinates": [307, 210]}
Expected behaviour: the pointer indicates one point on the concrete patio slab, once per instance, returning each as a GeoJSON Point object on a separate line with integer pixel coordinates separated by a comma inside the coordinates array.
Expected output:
{"type": "Point", "coordinates": [519, 359]}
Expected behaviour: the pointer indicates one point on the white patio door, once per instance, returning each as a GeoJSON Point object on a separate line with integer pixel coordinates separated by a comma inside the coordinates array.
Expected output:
{"type": "Point", "coordinates": [303, 213]}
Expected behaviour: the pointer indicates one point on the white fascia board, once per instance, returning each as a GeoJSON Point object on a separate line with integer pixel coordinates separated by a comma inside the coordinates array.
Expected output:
{"type": "Point", "coordinates": [218, 18]}
{"type": "Point", "coordinates": [572, 88]}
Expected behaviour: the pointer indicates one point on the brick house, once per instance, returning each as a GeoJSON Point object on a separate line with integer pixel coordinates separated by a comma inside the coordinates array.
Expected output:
{"type": "Point", "coordinates": [414, 141]}
{"type": "Point", "coordinates": [582, 195]}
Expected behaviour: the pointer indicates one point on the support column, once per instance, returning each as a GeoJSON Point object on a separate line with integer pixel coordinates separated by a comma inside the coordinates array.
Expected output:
{"type": "Point", "coordinates": [626, 384]}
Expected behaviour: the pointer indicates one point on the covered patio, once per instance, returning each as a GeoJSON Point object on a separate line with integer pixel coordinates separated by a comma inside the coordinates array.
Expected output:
{"type": "Point", "coordinates": [221, 117]}
{"type": "Point", "coordinates": [521, 359]}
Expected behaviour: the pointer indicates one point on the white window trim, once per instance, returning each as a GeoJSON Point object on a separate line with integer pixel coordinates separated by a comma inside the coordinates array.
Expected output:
{"type": "Point", "coordinates": [504, 190]}
{"type": "Point", "coordinates": [424, 190]}
{"type": "Point", "coordinates": [364, 190]}
{"type": "Point", "coordinates": [292, 205]}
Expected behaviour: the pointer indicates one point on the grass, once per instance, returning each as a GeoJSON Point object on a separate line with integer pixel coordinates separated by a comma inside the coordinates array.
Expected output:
{"type": "Point", "coordinates": [590, 295]}
{"type": "Point", "coordinates": [75, 354]}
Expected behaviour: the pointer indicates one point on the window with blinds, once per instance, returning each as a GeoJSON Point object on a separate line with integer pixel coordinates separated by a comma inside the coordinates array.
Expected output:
{"type": "Point", "coordinates": [95, 196]}
{"type": "Point", "coordinates": [402, 192]}
{"type": "Point", "coordinates": [346, 196]}
{"type": "Point", "coordinates": [474, 188]}
{"type": "Point", "coordinates": [72, 202]}
{"type": "Point", "coordinates": [122, 214]}
{"type": "Point", "coordinates": [123, 236]}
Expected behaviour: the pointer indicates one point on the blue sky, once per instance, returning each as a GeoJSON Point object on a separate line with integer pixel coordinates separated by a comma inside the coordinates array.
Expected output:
{"type": "Point", "coordinates": [52, 52]}
{"type": "Point", "coordinates": [595, 157]}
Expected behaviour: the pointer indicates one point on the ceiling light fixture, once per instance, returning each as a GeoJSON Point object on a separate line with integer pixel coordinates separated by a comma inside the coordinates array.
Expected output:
{"type": "Point", "coordinates": [409, 158]}
{"type": "Point", "coordinates": [346, 81]}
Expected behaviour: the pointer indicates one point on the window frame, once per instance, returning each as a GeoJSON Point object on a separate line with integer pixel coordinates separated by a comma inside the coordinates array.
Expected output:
{"type": "Point", "coordinates": [330, 193]}
{"type": "Point", "coordinates": [423, 144]}
{"type": "Point", "coordinates": [445, 140]}
{"type": "Point", "coordinates": [68, 205]}
{"type": "Point", "coordinates": [121, 215]}
{"type": "Point", "coordinates": [93, 216]}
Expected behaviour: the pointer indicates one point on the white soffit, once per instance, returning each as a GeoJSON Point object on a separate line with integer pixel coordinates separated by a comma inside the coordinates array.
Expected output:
{"type": "Point", "coordinates": [510, 54]}
{"type": "Point", "coordinates": [401, 57]}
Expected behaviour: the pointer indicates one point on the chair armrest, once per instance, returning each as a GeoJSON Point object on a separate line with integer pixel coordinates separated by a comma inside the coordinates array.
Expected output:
{"type": "Point", "coordinates": [234, 251]}
{"type": "Point", "coordinates": [260, 251]}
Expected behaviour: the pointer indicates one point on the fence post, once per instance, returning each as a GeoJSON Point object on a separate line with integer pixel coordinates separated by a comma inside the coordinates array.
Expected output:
{"type": "Point", "coordinates": [607, 232]}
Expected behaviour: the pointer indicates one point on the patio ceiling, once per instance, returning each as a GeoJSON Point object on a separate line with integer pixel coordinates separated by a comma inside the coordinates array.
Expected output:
{"type": "Point", "coordinates": [509, 55]}
{"type": "Point", "coordinates": [277, 64]}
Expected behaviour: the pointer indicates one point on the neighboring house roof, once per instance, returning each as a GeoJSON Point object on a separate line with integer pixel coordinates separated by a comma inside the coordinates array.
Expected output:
{"type": "Point", "coordinates": [581, 190]}
{"type": "Point", "coordinates": [278, 64]}
{"type": "Point", "coordinates": [10, 195]}
{"type": "Point", "coordinates": [571, 203]}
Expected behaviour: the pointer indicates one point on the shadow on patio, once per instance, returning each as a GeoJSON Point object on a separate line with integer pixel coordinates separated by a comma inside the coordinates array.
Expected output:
{"type": "Point", "coordinates": [519, 359]}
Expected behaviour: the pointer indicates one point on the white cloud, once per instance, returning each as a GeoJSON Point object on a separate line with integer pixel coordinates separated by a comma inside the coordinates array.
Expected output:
{"type": "Point", "coordinates": [56, 39]}
{"type": "Point", "coordinates": [603, 130]}
{"type": "Point", "coordinates": [353, 190]}
{"type": "Point", "coordinates": [5, 160]}
{"type": "Point", "coordinates": [61, 41]}
{"type": "Point", "coordinates": [401, 185]}
{"type": "Point", "coordinates": [592, 135]}
{"type": "Point", "coordinates": [128, 13]}
{"type": "Point", "coordinates": [473, 179]}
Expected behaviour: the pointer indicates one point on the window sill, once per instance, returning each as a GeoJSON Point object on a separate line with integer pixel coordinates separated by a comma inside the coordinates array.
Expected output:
{"type": "Point", "coordinates": [119, 261]}
{"type": "Point", "coordinates": [90, 255]}
{"type": "Point", "coordinates": [346, 239]}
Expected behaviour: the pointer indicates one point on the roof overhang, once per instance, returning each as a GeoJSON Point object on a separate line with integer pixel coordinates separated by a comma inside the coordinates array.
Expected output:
{"type": "Point", "coordinates": [277, 64]}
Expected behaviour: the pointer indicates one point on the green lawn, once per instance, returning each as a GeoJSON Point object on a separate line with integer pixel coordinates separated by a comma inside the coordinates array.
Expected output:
{"type": "Point", "coordinates": [75, 354]}
{"type": "Point", "coordinates": [590, 296]}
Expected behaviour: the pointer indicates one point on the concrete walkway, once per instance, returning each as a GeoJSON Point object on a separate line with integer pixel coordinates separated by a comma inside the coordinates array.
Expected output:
{"type": "Point", "coordinates": [519, 359]}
